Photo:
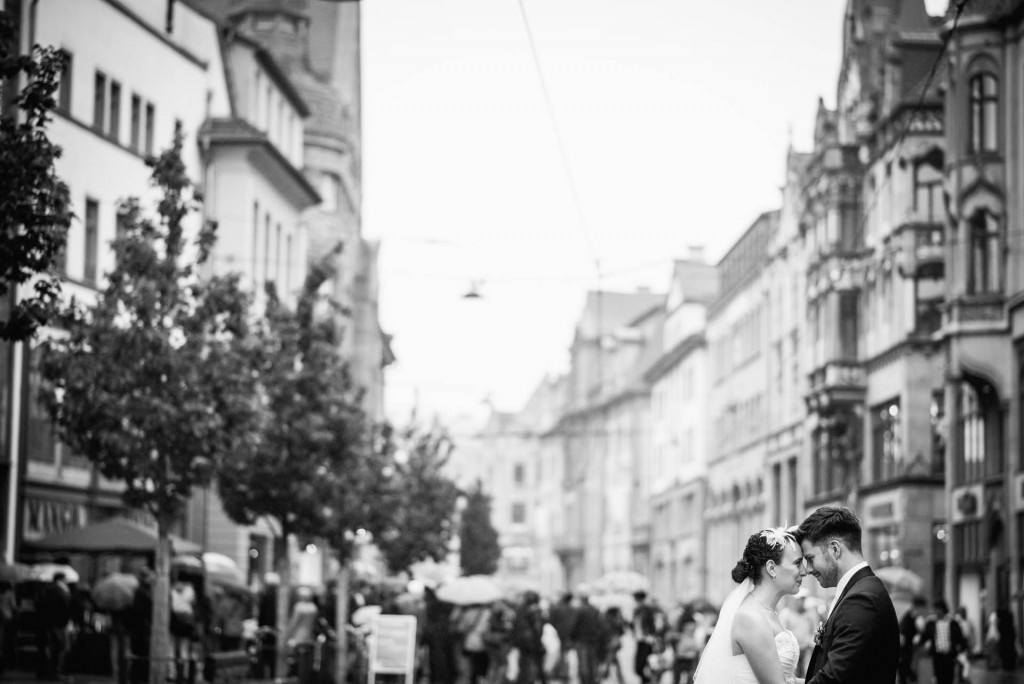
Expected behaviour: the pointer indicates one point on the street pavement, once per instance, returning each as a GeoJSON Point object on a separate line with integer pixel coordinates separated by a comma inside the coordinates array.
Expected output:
{"type": "Point", "coordinates": [979, 674]}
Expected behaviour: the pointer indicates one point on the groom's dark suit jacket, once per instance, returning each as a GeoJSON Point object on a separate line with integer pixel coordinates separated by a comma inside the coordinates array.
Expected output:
{"type": "Point", "coordinates": [860, 641]}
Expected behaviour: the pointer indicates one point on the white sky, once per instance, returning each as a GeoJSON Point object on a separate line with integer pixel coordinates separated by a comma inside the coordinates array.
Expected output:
{"type": "Point", "coordinates": [675, 116]}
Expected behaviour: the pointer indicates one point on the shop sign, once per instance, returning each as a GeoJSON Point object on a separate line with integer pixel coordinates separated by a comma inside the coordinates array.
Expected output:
{"type": "Point", "coordinates": [44, 517]}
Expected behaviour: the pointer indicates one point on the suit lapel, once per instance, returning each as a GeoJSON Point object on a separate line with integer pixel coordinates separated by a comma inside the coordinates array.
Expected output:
{"type": "Point", "coordinates": [857, 576]}
{"type": "Point", "coordinates": [818, 654]}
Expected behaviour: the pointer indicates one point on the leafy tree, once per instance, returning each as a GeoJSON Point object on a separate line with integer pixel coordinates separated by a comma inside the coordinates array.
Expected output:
{"type": "Point", "coordinates": [421, 525]}
{"type": "Point", "coordinates": [315, 452]}
{"type": "Point", "coordinates": [479, 550]}
{"type": "Point", "coordinates": [150, 382]}
{"type": "Point", "coordinates": [35, 208]}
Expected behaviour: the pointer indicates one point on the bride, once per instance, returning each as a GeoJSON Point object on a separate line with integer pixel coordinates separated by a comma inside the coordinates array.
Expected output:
{"type": "Point", "coordinates": [749, 644]}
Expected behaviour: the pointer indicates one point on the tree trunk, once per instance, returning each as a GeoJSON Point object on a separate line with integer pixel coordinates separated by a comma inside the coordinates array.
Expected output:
{"type": "Point", "coordinates": [341, 621]}
{"type": "Point", "coordinates": [160, 637]}
{"type": "Point", "coordinates": [282, 561]}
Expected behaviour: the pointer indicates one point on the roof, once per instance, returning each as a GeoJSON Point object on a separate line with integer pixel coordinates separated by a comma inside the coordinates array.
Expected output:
{"type": "Point", "coordinates": [273, 69]}
{"type": "Point", "coordinates": [236, 131]}
{"type": "Point", "coordinates": [604, 312]}
{"type": "Point", "coordinates": [673, 356]}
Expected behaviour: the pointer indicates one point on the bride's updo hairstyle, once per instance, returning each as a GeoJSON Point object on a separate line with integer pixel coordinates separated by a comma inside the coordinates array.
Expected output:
{"type": "Point", "coordinates": [763, 546]}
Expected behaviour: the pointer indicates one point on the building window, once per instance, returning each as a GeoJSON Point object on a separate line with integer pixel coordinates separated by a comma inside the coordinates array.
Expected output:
{"type": "Point", "coordinates": [887, 442]}
{"type": "Point", "coordinates": [99, 102]}
{"type": "Point", "coordinates": [288, 265]}
{"type": "Point", "coordinates": [278, 254]}
{"type": "Point", "coordinates": [330, 185]}
{"type": "Point", "coordinates": [121, 229]}
{"type": "Point", "coordinates": [255, 244]}
{"type": "Point", "coordinates": [114, 131]}
{"type": "Point", "coordinates": [92, 239]}
{"type": "Point", "coordinates": [266, 247]}
{"type": "Point", "coordinates": [40, 440]}
{"type": "Point", "coordinates": [518, 514]}
{"type": "Point", "coordinates": [985, 253]}
{"type": "Point", "coordinates": [929, 295]}
{"type": "Point", "coordinates": [984, 91]}
{"type": "Point", "coordinates": [150, 124]}
{"type": "Point", "coordinates": [928, 202]}
{"type": "Point", "coordinates": [848, 315]}
{"type": "Point", "coordinates": [939, 432]}
{"type": "Point", "coordinates": [980, 433]}
{"type": "Point", "coordinates": [519, 474]}
{"type": "Point", "coordinates": [884, 546]}
{"type": "Point", "coordinates": [135, 134]}
{"type": "Point", "coordinates": [64, 88]}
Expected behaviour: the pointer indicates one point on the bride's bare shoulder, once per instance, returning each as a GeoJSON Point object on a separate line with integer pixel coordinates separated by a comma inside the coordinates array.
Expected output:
{"type": "Point", "coordinates": [750, 619]}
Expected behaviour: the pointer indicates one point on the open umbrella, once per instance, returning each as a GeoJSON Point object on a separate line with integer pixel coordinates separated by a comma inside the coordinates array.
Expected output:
{"type": "Point", "coordinates": [115, 591]}
{"type": "Point", "coordinates": [622, 582]}
{"type": "Point", "coordinates": [364, 614]}
{"type": "Point", "coordinates": [223, 570]}
{"type": "Point", "coordinates": [470, 590]}
{"type": "Point", "coordinates": [900, 580]}
{"type": "Point", "coordinates": [14, 572]}
{"type": "Point", "coordinates": [44, 572]}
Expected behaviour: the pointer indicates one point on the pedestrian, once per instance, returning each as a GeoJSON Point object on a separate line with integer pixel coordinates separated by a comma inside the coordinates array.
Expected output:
{"type": "Point", "coordinates": [266, 619]}
{"type": "Point", "coordinates": [1008, 648]}
{"type": "Point", "coordinates": [8, 616]}
{"type": "Point", "coordinates": [563, 618]}
{"type": "Point", "coordinates": [945, 641]}
{"type": "Point", "coordinates": [909, 640]}
{"type": "Point", "coordinates": [971, 637]}
{"type": "Point", "coordinates": [301, 632]}
{"type": "Point", "coordinates": [139, 623]}
{"type": "Point", "coordinates": [683, 637]}
{"type": "Point", "coordinates": [471, 623]}
{"type": "Point", "coordinates": [645, 626]}
{"type": "Point", "coordinates": [183, 623]}
{"type": "Point", "coordinates": [498, 639]}
{"type": "Point", "coordinates": [527, 634]}
{"type": "Point", "coordinates": [53, 615]}
{"type": "Point", "coordinates": [615, 626]}
{"type": "Point", "coordinates": [588, 638]}
{"type": "Point", "coordinates": [440, 639]}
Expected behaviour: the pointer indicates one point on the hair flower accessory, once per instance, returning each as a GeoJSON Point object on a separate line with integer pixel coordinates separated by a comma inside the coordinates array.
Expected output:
{"type": "Point", "coordinates": [777, 537]}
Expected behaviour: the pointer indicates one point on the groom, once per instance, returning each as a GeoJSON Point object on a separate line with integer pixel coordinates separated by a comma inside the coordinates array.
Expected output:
{"type": "Point", "coordinates": [859, 640]}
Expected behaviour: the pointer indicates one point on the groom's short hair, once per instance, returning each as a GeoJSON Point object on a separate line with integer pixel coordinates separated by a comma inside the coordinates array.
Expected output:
{"type": "Point", "coordinates": [832, 522]}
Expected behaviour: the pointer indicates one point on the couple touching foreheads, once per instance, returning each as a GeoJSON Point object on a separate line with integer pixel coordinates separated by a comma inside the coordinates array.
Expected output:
{"type": "Point", "coordinates": [857, 643]}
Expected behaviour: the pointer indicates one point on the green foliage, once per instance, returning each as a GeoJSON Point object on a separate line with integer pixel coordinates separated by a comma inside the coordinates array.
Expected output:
{"type": "Point", "coordinates": [150, 382]}
{"type": "Point", "coordinates": [35, 208]}
{"type": "Point", "coordinates": [315, 448]}
{"type": "Point", "coordinates": [421, 525]}
{"type": "Point", "coordinates": [480, 551]}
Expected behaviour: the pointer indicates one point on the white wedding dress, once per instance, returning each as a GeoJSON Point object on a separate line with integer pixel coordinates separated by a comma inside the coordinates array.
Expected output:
{"type": "Point", "coordinates": [788, 649]}
{"type": "Point", "coordinates": [717, 663]}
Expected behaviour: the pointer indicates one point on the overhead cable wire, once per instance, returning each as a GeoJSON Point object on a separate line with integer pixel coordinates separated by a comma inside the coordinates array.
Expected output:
{"type": "Point", "coordinates": [910, 117]}
{"type": "Point", "coordinates": [566, 166]}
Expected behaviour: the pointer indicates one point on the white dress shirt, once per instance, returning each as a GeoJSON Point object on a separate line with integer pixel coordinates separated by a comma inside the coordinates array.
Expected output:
{"type": "Point", "coordinates": [843, 581]}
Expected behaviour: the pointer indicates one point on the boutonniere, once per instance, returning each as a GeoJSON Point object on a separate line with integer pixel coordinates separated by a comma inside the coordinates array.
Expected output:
{"type": "Point", "coordinates": [818, 633]}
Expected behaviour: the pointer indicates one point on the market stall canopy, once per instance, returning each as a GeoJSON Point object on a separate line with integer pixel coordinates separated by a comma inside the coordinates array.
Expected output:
{"type": "Point", "coordinates": [116, 535]}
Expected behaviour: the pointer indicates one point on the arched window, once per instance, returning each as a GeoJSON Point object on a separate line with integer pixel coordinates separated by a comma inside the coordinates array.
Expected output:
{"type": "Point", "coordinates": [984, 90]}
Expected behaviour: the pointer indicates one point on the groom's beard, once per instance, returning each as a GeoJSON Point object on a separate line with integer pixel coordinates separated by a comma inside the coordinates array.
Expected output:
{"type": "Point", "coordinates": [829, 577]}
